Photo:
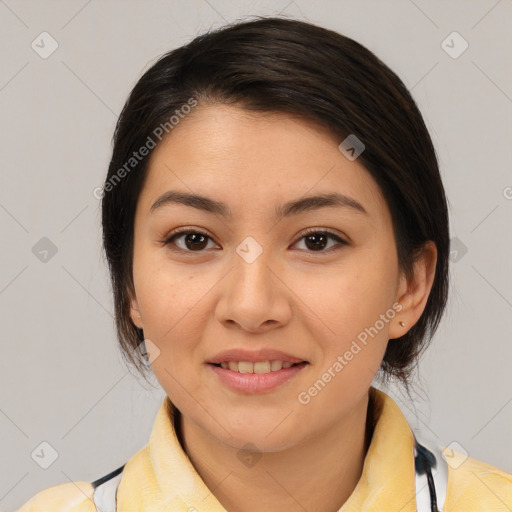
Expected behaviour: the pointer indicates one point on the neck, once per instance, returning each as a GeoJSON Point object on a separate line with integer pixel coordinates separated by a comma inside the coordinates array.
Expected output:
{"type": "Point", "coordinates": [328, 466]}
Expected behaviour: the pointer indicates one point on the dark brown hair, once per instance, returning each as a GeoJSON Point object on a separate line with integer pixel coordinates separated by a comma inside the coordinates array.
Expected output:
{"type": "Point", "coordinates": [283, 65]}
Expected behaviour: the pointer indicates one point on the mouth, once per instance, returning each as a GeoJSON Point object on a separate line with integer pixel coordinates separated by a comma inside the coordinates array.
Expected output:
{"type": "Point", "coordinates": [267, 371]}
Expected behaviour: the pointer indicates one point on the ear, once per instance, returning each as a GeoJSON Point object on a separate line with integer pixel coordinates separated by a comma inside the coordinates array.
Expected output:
{"type": "Point", "coordinates": [134, 310]}
{"type": "Point", "coordinates": [413, 293]}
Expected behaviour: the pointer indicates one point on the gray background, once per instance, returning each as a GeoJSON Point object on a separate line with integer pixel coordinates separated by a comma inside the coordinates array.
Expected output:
{"type": "Point", "coordinates": [62, 377]}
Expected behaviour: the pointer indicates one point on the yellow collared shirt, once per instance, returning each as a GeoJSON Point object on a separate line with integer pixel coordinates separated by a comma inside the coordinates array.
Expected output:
{"type": "Point", "coordinates": [160, 477]}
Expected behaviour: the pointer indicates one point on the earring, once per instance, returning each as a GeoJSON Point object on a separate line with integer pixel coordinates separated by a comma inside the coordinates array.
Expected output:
{"type": "Point", "coordinates": [402, 323]}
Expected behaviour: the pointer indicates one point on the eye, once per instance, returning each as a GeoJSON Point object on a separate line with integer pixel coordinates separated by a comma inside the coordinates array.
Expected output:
{"type": "Point", "coordinates": [192, 240]}
{"type": "Point", "coordinates": [317, 240]}
{"type": "Point", "coordinates": [196, 241]}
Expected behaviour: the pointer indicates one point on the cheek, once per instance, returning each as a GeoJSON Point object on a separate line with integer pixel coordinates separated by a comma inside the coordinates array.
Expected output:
{"type": "Point", "coordinates": [175, 304]}
{"type": "Point", "coordinates": [172, 312]}
{"type": "Point", "coordinates": [352, 354]}
{"type": "Point", "coordinates": [168, 302]}
{"type": "Point", "coordinates": [357, 305]}
{"type": "Point", "coordinates": [364, 286]}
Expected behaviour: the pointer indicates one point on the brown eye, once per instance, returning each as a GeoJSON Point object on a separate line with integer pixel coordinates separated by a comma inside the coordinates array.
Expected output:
{"type": "Point", "coordinates": [317, 241]}
{"type": "Point", "coordinates": [191, 241]}
{"type": "Point", "coordinates": [195, 241]}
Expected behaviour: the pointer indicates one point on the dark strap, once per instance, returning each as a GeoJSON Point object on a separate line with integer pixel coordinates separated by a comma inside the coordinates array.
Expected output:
{"type": "Point", "coordinates": [105, 478]}
{"type": "Point", "coordinates": [425, 462]}
{"type": "Point", "coordinates": [105, 490]}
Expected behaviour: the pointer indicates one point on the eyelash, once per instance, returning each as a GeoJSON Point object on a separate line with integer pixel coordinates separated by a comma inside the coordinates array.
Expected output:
{"type": "Point", "coordinates": [185, 231]}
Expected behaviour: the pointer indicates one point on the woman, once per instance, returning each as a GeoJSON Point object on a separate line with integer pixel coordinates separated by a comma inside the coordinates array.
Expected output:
{"type": "Point", "coordinates": [277, 235]}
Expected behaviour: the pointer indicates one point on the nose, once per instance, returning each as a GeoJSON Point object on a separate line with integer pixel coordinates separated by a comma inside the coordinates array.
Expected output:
{"type": "Point", "coordinates": [254, 297]}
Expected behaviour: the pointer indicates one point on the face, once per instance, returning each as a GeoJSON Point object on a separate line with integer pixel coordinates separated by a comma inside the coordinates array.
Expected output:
{"type": "Point", "coordinates": [303, 298]}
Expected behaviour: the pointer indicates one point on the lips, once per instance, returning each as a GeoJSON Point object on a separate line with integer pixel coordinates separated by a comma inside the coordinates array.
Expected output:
{"type": "Point", "coordinates": [253, 383]}
{"type": "Point", "coordinates": [255, 371]}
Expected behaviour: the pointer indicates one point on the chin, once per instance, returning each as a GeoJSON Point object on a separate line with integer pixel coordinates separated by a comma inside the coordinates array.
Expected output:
{"type": "Point", "coordinates": [268, 433]}
{"type": "Point", "coordinates": [252, 440]}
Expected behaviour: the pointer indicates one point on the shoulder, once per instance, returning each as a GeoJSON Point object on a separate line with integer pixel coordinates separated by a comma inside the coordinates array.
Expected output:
{"type": "Point", "coordinates": [475, 485]}
{"type": "Point", "coordinates": [65, 497]}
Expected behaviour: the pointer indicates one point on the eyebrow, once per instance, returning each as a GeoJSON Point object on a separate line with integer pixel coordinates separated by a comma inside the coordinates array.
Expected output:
{"type": "Point", "coordinates": [294, 207]}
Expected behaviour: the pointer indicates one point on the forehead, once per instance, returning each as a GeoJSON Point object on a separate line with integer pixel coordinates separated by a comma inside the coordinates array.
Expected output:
{"type": "Point", "coordinates": [252, 161]}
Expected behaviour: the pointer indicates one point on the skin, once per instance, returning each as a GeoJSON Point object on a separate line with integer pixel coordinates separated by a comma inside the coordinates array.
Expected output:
{"type": "Point", "coordinates": [308, 303]}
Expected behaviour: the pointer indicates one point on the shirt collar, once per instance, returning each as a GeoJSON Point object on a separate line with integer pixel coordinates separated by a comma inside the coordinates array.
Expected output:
{"type": "Point", "coordinates": [388, 478]}
{"type": "Point", "coordinates": [161, 476]}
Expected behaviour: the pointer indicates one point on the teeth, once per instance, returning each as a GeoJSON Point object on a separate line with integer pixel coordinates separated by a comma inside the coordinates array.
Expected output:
{"type": "Point", "coordinates": [276, 365]}
{"type": "Point", "coordinates": [245, 367]}
{"type": "Point", "coordinates": [260, 367]}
